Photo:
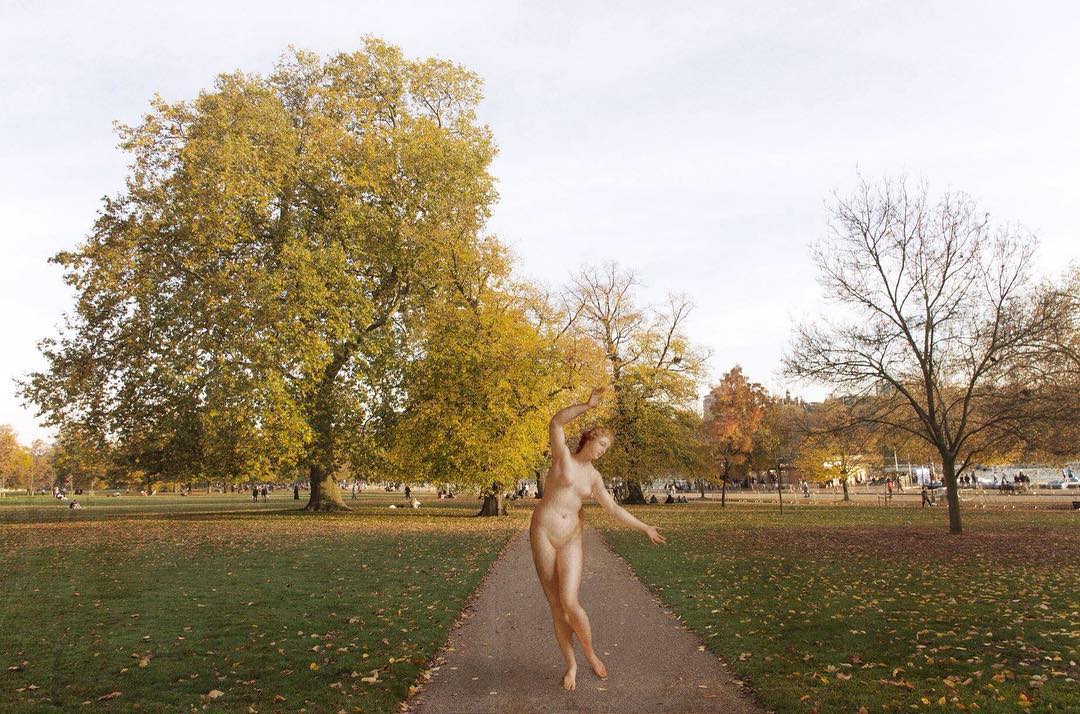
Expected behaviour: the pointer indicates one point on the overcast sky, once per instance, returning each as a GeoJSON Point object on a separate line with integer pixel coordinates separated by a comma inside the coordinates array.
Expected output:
{"type": "Point", "coordinates": [694, 143]}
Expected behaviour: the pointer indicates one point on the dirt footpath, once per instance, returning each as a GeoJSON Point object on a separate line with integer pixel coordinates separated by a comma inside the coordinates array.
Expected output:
{"type": "Point", "coordinates": [503, 656]}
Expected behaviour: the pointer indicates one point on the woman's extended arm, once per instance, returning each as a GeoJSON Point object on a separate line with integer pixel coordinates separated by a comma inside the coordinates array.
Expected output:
{"type": "Point", "coordinates": [601, 495]}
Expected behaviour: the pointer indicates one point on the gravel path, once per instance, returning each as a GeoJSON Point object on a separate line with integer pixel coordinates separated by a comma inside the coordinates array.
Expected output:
{"type": "Point", "coordinates": [502, 657]}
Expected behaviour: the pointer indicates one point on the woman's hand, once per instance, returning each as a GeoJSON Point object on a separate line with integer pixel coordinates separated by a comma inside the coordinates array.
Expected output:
{"type": "Point", "coordinates": [596, 396]}
{"type": "Point", "coordinates": [654, 535]}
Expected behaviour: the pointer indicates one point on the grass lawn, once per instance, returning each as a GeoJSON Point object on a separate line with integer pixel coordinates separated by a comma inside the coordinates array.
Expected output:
{"type": "Point", "coordinates": [166, 603]}
{"type": "Point", "coordinates": [833, 609]}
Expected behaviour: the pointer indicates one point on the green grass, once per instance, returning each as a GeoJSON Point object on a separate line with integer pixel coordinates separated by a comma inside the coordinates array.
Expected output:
{"type": "Point", "coordinates": [168, 599]}
{"type": "Point", "coordinates": [833, 609]}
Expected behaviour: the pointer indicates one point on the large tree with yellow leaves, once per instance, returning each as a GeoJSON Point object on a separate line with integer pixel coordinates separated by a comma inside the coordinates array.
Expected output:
{"type": "Point", "coordinates": [241, 303]}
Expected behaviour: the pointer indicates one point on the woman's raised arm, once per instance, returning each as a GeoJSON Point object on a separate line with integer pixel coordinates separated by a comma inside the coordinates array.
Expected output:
{"type": "Point", "coordinates": [559, 450]}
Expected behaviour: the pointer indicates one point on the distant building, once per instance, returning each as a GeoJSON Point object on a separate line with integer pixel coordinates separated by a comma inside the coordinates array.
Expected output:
{"type": "Point", "coordinates": [706, 407]}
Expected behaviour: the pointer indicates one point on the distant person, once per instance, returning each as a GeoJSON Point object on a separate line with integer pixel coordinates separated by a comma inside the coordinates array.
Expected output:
{"type": "Point", "coordinates": [652, 499]}
{"type": "Point", "coordinates": [296, 492]}
{"type": "Point", "coordinates": [888, 487]}
{"type": "Point", "coordinates": [254, 493]}
{"type": "Point", "coordinates": [670, 498]}
{"type": "Point", "coordinates": [408, 492]}
{"type": "Point", "coordinates": [264, 492]}
{"type": "Point", "coordinates": [805, 489]}
{"type": "Point", "coordinates": [926, 497]}
{"type": "Point", "coordinates": [74, 505]}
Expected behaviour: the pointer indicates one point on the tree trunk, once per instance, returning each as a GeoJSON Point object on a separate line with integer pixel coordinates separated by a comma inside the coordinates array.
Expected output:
{"type": "Point", "coordinates": [843, 484]}
{"type": "Point", "coordinates": [948, 465]}
{"type": "Point", "coordinates": [634, 493]}
{"type": "Point", "coordinates": [702, 483]}
{"type": "Point", "coordinates": [780, 485]}
{"type": "Point", "coordinates": [539, 483]}
{"type": "Point", "coordinates": [493, 505]}
{"type": "Point", "coordinates": [325, 494]}
{"type": "Point", "coordinates": [723, 487]}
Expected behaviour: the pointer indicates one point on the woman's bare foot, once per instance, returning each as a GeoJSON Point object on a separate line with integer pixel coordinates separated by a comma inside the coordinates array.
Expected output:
{"type": "Point", "coordinates": [598, 666]}
{"type": "Point", "coordinates": [569, 680]}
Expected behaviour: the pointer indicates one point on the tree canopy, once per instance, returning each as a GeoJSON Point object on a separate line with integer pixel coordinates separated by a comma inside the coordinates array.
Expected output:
{"type": "Point", "coordinates": [243, 299]}
{"type": "Point", "coordinates": [735, 413]}
{"type": "Point", "coordinates": [654, 370]}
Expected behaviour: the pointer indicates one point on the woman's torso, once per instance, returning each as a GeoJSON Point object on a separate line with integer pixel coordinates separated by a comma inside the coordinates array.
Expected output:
{"type": "Point", "coordinates": [559, 512]}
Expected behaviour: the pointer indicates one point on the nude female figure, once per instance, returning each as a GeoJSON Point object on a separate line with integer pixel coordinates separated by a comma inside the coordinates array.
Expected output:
{"type": "Point", "coordinates": [556, 529]}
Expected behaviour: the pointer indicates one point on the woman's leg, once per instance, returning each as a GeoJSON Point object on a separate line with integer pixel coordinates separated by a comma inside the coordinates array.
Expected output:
{"type": "Point", "coordinates": [544, 560]}
{"type": "Point", "coordinates": [568, 565]}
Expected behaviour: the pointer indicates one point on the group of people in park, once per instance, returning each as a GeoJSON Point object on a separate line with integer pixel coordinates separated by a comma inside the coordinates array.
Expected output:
{"type": "Point", "coordinates": [671, 498]}
{"type": "Point", "coordinates": [265, 490]}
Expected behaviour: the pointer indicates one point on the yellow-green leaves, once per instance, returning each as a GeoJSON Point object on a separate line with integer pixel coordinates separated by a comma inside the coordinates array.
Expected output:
{"type": "Point", "coordinates": [253, 289]}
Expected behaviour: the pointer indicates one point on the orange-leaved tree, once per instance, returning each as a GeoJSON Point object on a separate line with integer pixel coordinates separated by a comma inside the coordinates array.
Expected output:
{"type": "Point", "coordinates": [734, 410]}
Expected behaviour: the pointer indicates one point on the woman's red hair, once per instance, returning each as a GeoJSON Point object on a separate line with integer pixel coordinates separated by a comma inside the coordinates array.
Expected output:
{"type": "Point", "coordinates": [592, 434]}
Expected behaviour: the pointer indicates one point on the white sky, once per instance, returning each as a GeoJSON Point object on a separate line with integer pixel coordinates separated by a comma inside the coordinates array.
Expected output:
{"type": "Point", "coordinates": [693, 142]}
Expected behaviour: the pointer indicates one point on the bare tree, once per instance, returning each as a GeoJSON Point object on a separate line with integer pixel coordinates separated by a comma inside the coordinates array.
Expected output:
{"type": "Point", "coordinates": [653, 368]}
{"type": "Point", "coordinates": [939, 327]}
